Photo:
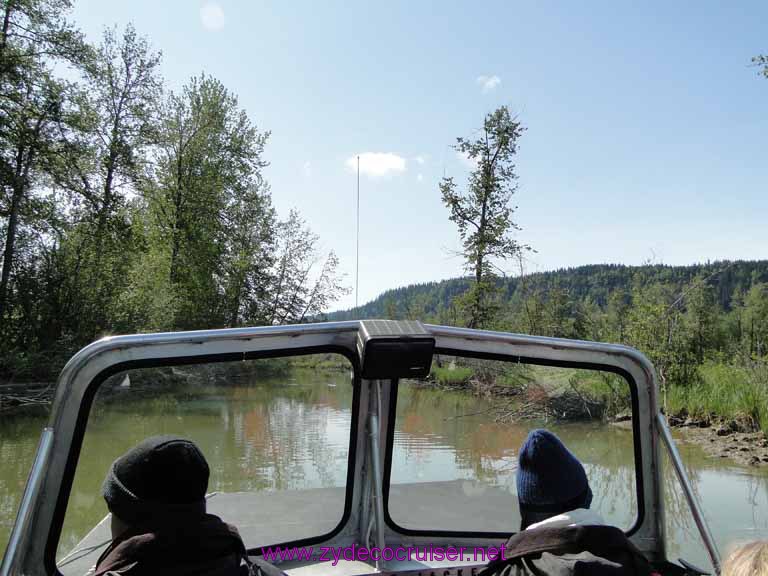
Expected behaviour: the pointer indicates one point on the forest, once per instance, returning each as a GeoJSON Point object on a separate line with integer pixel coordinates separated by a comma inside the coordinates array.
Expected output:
{"type": "Point", "coordinates": [129, 207]}
{"type": "Point", "coordinates": [704, 326]}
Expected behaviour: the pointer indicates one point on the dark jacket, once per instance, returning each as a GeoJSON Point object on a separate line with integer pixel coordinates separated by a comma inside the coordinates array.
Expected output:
{"type": "Point", "coordinates": [205, 547]}
{"type": "Point", "coordinates": [570, 551]}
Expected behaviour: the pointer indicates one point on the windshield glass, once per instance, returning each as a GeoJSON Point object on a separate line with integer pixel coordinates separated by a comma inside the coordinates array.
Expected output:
{"type": "Point", "coordinates": [459, 432]}
{"type": "Point", "coordinates": [275, 433]}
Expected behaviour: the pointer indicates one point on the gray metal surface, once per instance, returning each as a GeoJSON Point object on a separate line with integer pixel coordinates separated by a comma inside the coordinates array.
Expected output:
{"type": "Point", "coordinates": [690, 497]}
{"type": "Point", "coordinates": [28, 501]}
{"type": "Point", "coordinates": [261, 517]}
{"type": "Point", "coordinates": [32, 533]}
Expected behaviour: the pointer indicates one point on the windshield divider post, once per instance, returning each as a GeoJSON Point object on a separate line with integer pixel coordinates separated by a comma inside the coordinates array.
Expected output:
{"type": "Point", "coordinates": [690, 497]}
{"type": "Point", "coordinates": [373, 430]}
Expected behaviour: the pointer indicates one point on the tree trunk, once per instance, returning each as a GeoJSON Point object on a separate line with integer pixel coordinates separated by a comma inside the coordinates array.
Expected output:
{"type": "Point", "coordinates": [6, 26]}
{"type": "Point", "coordinates": [19, 188]}
{"type": "Point", "coordinates": [474, 321]}
{"type": "Point", "coordinates": [177, 215]}
{"type": "Point", "coordinates": [10, 239]}
{"type": "Point", "coordinates": [106, 202]}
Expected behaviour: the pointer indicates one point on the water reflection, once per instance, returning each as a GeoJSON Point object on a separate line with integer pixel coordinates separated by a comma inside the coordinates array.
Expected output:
{"type": "Point", "coordinates": [274, 435]}
{"type": "Point", "coordinates": [18, 440]}
{"type": "Point", "coordinates": [449, 436]}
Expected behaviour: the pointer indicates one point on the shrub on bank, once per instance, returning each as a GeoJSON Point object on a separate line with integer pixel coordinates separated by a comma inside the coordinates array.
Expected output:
{"type": "Point", "coordinates": [724, 391]}
{"type": "Point", "coordinates": [451, 375]}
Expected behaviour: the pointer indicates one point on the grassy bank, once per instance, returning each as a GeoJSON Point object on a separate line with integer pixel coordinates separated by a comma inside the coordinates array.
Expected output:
{"type": "Point", "coordinates": [720, 392]}
{"type": "Point", "coordinates": [451, 375]}
{"type": "Point", "coordinates": [724, 392]}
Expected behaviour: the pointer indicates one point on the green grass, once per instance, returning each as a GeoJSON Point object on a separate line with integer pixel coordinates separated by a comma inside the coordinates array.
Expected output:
{"type": "Point", "coordinates": [451, 375]}
{"type": "Point", "coordinates": [726, 391]}
{"type": "Point", "coordinates": [721, 391]}
{"type": "Point", "coordinates": [328, 362]}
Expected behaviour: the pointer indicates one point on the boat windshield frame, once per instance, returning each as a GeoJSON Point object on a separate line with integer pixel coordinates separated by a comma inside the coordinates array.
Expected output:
{"type": "Point", "coordinates": [637, 448]}
{"type": "Point", "coordinates": [35, 539]}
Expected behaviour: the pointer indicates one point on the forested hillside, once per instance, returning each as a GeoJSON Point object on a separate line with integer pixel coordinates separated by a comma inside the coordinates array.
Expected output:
{"type": "Point", "coordinates": [593, 283]}
{"type": "Point", "coordinates": [704, 327]}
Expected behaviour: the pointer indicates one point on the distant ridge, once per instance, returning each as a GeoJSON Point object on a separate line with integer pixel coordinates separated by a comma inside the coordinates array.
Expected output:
{"type": "Point", "coordinates": [592, 281]}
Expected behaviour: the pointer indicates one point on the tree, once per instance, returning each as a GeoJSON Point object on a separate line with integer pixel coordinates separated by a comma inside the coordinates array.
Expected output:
{"type": "Point", "coordinates": [756, 319]}
{"type": "Point", "coordinates": [616, 312]}
{"type": "Point", "coordinates": [33, 34]}
{"type": "Point", "coordinates": [298, 292]}
{"type": "Point", "coordinates": [34, 31]}
{"type": "Point", "coordinates": [27, 139]}
{"type": "Point", "coordinates": [482, 212]}
{"type": "Point", "coordinates": [655, 326]}
{"type": "Point", "coordinates": [124, 88]}
{"type": "Point", "coordinates": [700, 319]}
{"type": "Point", "coordinates": [103, 164]}
{"type": "Point", "coordinates": [762, 62]}
{"type": "Point", "coordinates": [210, 155]}
{"type": "Point", "coordinates": [250, 255]}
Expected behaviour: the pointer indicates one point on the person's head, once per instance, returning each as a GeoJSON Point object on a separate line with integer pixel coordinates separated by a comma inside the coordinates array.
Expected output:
{"type": "Point", "coordinates": [747, 560]}
{"type": "Point", "coordinates": [550, 480]}
{"type": "Point", "coordinates": [161, 480]}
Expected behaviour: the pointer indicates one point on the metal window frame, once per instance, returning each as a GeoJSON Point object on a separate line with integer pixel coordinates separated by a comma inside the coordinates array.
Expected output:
{"type": "Point", "coordinates": [648, 531]}
{"type": "Point", "coordinates": [637, 450]}
{"type": "Point", "coordinates": [35, 536]}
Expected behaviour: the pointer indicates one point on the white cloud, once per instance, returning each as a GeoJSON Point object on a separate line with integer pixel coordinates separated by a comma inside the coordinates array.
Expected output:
{"type": "Point", "coordinates": [488, 83]}
{"type": "Point", "coordinates": [307, 168]}
{"type": "Point", "coordinates": [377, 164]}
{"type": "Point", "coordinates": [464, 158]}
{"type": "Point", "coordinates": [212, 16]}
{"type": "Point", "coordinates": [419, 177]}
{"type": "Point", "coordinates": [421, 160]}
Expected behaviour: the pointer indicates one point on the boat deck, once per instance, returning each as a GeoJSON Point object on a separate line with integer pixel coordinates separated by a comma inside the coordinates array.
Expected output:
{"type": "Point", "coordinates": [271, 517]}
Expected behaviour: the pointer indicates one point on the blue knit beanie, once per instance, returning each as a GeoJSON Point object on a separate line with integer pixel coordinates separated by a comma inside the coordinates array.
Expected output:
{"type": "Point", "coordinates": [550, 480]}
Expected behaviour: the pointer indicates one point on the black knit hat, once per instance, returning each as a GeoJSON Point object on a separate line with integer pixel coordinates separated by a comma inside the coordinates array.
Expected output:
{"type": "Point", "coordinates": [550, 479]}
{"type": "Point", "coordinates": [161, 479]}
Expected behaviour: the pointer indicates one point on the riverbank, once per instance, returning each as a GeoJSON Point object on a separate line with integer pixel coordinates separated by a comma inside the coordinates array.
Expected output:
{"type": "Point", "coordinates": [724, 439]}
{"type": "Point", "coordinates": [724, 412]}
{"type": "Point", "coordinates": [25, 397]}
{"type": "Point", "coordinates": [21, 397]}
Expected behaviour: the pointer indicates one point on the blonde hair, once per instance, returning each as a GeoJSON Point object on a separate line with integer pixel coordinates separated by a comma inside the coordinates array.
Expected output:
{"type": "Point", "coordinates": [747, 560]}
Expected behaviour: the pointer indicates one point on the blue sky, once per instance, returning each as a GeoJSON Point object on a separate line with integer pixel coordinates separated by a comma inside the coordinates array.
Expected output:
{"type": "Point", "coordinates": [646, 126]}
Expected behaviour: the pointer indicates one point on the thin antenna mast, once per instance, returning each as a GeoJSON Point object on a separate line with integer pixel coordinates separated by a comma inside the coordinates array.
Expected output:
{"type": "Point", "coordinates": [357, 234]}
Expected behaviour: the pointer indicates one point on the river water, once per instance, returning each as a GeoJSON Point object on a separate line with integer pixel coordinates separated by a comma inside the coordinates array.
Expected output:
{"type": "Point", "coordinates": [291, 432]}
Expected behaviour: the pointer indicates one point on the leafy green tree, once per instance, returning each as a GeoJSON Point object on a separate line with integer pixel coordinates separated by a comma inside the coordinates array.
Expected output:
{"type": "Point", "coordinates": [28, 137]}
{"type": "Point", "coordinates": [756, 320]}
{"type": "Point", "coordinates": [124, 88]}
{"type": "Point", "coordinates": [250, 256]}
{"type": "Point", "coordinates": [482, 212]}
{"type": "Point", "coordinates": [616, 312]}
{"type": "Point", "coordinates": [103, 164]}
{"type": "Point", "coordinates": [700, 318]}
{"type": "Point", "coordinates": [34, 31]}
{"type": "Point", "coordinates": [655, 326]}
{"type": "Point", "coordinates": [34, 34]}
{"type": "Point", "coordinates": [210, 154]}
{"type": "Point", "coordinates": [304, 282]}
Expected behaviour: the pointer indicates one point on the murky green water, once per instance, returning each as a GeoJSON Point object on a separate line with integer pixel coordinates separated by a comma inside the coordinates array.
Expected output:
{"type": "Point", "coordinates": [292, 432]}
